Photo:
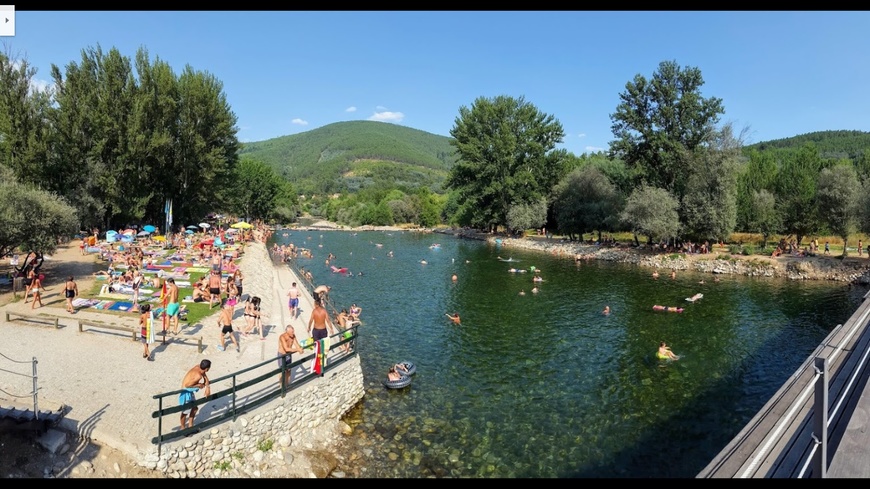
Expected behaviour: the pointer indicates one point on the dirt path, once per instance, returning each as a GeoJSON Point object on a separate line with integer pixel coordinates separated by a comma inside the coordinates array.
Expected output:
{"type": "Point", "coordinates": [81, 459]}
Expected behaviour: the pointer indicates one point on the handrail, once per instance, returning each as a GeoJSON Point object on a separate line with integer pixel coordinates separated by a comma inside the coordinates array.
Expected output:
{"type": "Point", "coordinates": [787, 419]}
{"type": "Point", "coordinates": [235, 407]}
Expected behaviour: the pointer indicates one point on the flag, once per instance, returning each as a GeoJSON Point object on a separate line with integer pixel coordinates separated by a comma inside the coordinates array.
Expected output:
{"type": "Point", "coordinates": [149, 328]}
{"type": "Point", "coordinates": [316, 365]}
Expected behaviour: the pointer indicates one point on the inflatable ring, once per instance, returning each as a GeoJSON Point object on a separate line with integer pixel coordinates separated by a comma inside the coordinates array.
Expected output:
{"type": "Point", "coordinates": [661, 357]}
{"type": "Point", "coordinates": [404, 381]}
{"type": "Point", "coordinates": [410, 367]}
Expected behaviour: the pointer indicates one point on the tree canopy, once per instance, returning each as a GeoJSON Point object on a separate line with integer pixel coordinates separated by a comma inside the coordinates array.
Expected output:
{"type": "Point", "coordinates": [505, 149]}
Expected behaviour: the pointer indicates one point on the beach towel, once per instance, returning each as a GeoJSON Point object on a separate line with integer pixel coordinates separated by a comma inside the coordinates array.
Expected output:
{"type": "Point", "coordinates": [197, 270]}
{"type": "Point", "coordinates": [182, 283]}
{"type": "Point", "coordinates": [317, 364]}
{"type": "Point", "coordinates": [188, 298]}
{"type": "Point", "coordinates": [149, 329]}
{"type": "Point", "coordinates": [120, 306]}
{"type": "Point", "coordinates": [104, 305]}
{"type": "Point", "coordinates": [82, 302]}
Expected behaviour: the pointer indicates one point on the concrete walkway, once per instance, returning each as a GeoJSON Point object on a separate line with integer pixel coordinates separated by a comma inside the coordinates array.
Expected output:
{"type": "Point", "coordinates": [100, 373]}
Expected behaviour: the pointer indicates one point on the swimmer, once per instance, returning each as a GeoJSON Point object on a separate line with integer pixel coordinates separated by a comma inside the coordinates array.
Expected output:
{"type": "Point", "coordinates": [522, 292]}
{"type": "Point", "coordinates": [665, 352]}
{"type": "Point", "coordinates": [655, 274]}
{"type": "Point", "coordinates": [423, 262]}
{"type": "Point", "coordinates": [606, 311]}
{"type": "Point", "coordinates": [700, 282]}
{"type": "Point", "coordinates": [535, 290]}
{"type": "Point", "coordinates": [454, 317]}
{"type": "Point", "coordinates": [673, 274]}
{"type": "Point", "coordinates": [454, 278]}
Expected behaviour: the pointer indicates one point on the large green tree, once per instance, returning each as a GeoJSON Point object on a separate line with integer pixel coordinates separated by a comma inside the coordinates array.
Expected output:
{"type": "Point", "coordinates": [756, 174]}
{"type": "Point", "coordinates": [710, 200]}
{"type": "Point", "coordinates": [256, 190]}
{"type": "Point", "coordinates": [506, 151]}
{"type": "Point", "coordinates": [838, 193]}
{"type": "Point", "coordinates": [659, 123]}
{"type": "Point", "coordinates": [30, 218]}
{"type": "Point", "coordinates": [652, 212]}
{"type": "Point", "coordinates": [796, 187]}
{"type": "Point", "coordinates": [585, 200]}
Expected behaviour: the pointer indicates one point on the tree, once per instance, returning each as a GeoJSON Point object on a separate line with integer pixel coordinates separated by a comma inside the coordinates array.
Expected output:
{"type": "Point", "coordinates": [584, 201]}
{"type": "Point", "coordinates": [765, 218]}
{"type": "Point", "coordinates": [660, 122]}
{"type": "Point", "coordinates": [758, 173]}
{"type": "Point", "coordinates": [652, 212]}
{"type": "Point", "coordinates": [525, 216]}
{"type": "Point", "coordinates": [796, 187]}
{"type": "Point", "coordinates": [710, 202]}
{"type": "Point", "coordinates": [30, 218]}
{"type": "Point", "coordinates": [838, 193]}
{"type": "Point", "coordinates": [506, 157]}
{"type": "Point", "coordinates": [256, 189]}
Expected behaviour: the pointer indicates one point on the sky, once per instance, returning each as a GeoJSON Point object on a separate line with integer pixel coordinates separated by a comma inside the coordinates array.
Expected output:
{"type": "Point", "coordinates": [779, 74]}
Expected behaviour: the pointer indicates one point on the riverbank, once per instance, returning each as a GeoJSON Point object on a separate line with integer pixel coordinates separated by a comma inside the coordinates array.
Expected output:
{"type": "Point", "coordinates": [852, 269]}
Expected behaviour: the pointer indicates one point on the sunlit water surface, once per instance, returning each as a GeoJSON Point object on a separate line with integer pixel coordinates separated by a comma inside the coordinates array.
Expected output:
{"type": "Point", "coordinates": [545, 385]}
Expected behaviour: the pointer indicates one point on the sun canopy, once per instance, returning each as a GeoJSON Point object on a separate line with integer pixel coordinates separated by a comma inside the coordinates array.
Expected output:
{"type": "Point", "coordinates": [242, 225]}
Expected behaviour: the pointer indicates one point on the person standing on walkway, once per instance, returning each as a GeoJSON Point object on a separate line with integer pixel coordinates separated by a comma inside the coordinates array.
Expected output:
{"type": "Point", "coordinates": [321, 293]}
{"type": "Point", "coordinates": [146, 330]}
{"type": "Point", "coordinates": [29, 278]}
{"type": "Point", "coordinates": [287, 345]}
{"type": "Point", "coordinates": [71, 291]}
{"type": "Point", "coordinates": [214, 288]}
{"type": "Point", "coordinates": [35, 286]}
{"type": "Point", "coordinates": [293, 302]}
{"type": "Point", "coordinates": [318, 322]}
{"type": "Point", "coordinates": [225, 323]}
{"type": "Point", "coordinates": [194, 380]}
{"type": "Point", "coordinates": [237, 281]}
{"type": "Point", "coordinates": [173, 308]}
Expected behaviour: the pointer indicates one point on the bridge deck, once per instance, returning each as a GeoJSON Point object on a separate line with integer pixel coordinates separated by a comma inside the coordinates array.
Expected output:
{"type": "Point", "coordinates": [778, 442]}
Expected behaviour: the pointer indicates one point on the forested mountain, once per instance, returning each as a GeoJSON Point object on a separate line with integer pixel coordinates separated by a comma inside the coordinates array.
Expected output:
{"type": "Point", "coordinates": [346, 156]}
{"type": "Point", "coordinates": [831, 144]}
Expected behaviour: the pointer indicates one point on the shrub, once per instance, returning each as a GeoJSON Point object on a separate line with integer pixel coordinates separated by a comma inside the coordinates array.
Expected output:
{"type": "Point", "coordinates": [748, 250]}
{"type": "Point", "coordinates": [734, 249]}
{"type": "Point", "coordinates": [265, 445]}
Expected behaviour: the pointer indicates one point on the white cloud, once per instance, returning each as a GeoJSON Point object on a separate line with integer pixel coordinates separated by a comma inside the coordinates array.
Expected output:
{"type": "Point", "coordinates": [299, 122]}
{"type": "Point", "coordinates": [350, 109]}
{"type": "Point", "coordinates": [387, 116]}
{"type": "Point", "coordinates": [380, 108]}
{"type": "Point", "coordinates": [581, 135]}
{"type": "Point", "coordinates": [594, 149]}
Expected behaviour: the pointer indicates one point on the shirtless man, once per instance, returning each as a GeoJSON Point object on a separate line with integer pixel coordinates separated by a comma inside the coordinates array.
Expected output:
{"type": "Point", "coordinates": [214, 288]}
{"type": "Point", "coordinates": [319, 321]}
{"type": "Point", "coordinates": [173, 307]}
{"type": "Point", "coordinates": [454, 317]}
{"type": "Point", "coordinates": [194, 380]}
{"type": "Point", "coordinates": [321, 293]}
{"type": "Point", "coordinates": [287, 345]}
{"type": "Point", "coordinates": [293, 302]}
{"type": "Point", "coordinates": [225, 323]}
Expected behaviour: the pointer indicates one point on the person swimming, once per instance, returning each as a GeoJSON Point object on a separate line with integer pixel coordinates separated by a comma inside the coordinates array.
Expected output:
{"type": "Point", "coordinates": [606, 310]}
{"type": "Point", "coordinates": [665, 353]}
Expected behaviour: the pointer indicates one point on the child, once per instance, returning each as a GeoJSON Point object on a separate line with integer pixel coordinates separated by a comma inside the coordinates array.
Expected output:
{"type": "Point", "coordinates": [146, 329]}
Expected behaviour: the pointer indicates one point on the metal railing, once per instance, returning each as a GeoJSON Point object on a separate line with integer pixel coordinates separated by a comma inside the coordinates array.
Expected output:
{"type": "Point", "coordinates": [235, 402]}
{"type": "Point", "coordinates": [34, 393]}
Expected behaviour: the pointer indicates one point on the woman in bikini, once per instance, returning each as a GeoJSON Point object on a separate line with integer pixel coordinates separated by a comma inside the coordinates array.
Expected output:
{"type": "Point", "coordinates": [29, 279]}
{"type": "Point", "coordinates": [255, 318]}
{"type": "Point", "coordinates": [249, 316]}
{"type": "Point", "coordinates": [71, 291]}
{"type": "Point", "coordinates": [37, 297]}
{"type": "Point", "coordinates": [237, 281]}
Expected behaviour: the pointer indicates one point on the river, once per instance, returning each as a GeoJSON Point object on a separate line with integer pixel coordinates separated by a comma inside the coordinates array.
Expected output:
{"type": "Point", "coordinates": [543, 385]}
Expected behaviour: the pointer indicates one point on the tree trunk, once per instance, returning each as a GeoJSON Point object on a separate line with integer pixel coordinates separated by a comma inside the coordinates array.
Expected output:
{"type": "Point", "coordinates": [845, 246]}
{"type": "Point", "coordinates": [636, 241]}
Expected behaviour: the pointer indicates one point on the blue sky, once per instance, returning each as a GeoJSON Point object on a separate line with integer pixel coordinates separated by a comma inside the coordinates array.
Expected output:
{"type": "Point", "coordinates": [284, 72]}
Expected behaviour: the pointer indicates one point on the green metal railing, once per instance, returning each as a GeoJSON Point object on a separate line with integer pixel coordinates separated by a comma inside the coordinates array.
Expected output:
{"type": "Point", "coordinates": [236, 403]}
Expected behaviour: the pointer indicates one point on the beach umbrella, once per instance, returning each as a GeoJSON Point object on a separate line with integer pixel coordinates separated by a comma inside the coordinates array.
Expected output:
{"type": "Point", "coordinates": [232, 230]}
{"type": "Point", "coordinates": [242, 225]}
{"type": "Point", "coordinates": [188, 231]}
{"type": "Point", "coordinates": [109, 233]}
{"type": "Point", "coordinates": [192, 227]}
{"type": "Point", "coordinates": [149, 228]}
{"type": "Point", "coordinates": [143, 233]}
{"type": "Point", "coordinates": [129, 232]}
{"type": "Point", "coordinates": [204, 225]}
{"type": "Point", "coordinates": [159, 238]}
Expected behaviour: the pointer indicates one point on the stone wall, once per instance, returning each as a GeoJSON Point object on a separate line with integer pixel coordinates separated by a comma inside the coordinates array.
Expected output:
{"type": "Point", "coordinates": [294, 436]}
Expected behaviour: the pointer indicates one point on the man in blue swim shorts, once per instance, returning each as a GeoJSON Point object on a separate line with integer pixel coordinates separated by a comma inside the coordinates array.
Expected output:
{"type": "Point", "coordinates": [293, 303]}
{"type": "Point", "coordinates": [173, 307]}
{"type": "Point", "coordinates": [194, 380]}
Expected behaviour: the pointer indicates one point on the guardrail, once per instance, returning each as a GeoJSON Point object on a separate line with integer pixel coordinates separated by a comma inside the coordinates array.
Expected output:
{"type": "Point", "coordinates": [134, 333]}
{"type": "Point", "coordinates": [36, 319]}
{"type": "Point", "coordinates": [260, 395]}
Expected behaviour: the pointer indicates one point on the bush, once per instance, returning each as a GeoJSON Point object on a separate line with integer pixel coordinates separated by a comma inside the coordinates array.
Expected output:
{"type": "Point", "coordinates": [734, 249]}
{"type": "Point", "coordinates": [748, 250]}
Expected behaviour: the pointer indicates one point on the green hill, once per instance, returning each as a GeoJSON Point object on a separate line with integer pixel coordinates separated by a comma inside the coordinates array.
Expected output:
{"type": "Point", "coordinates": [346, 156]}
{"type": "Point", "coordinates": [831, 144]}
